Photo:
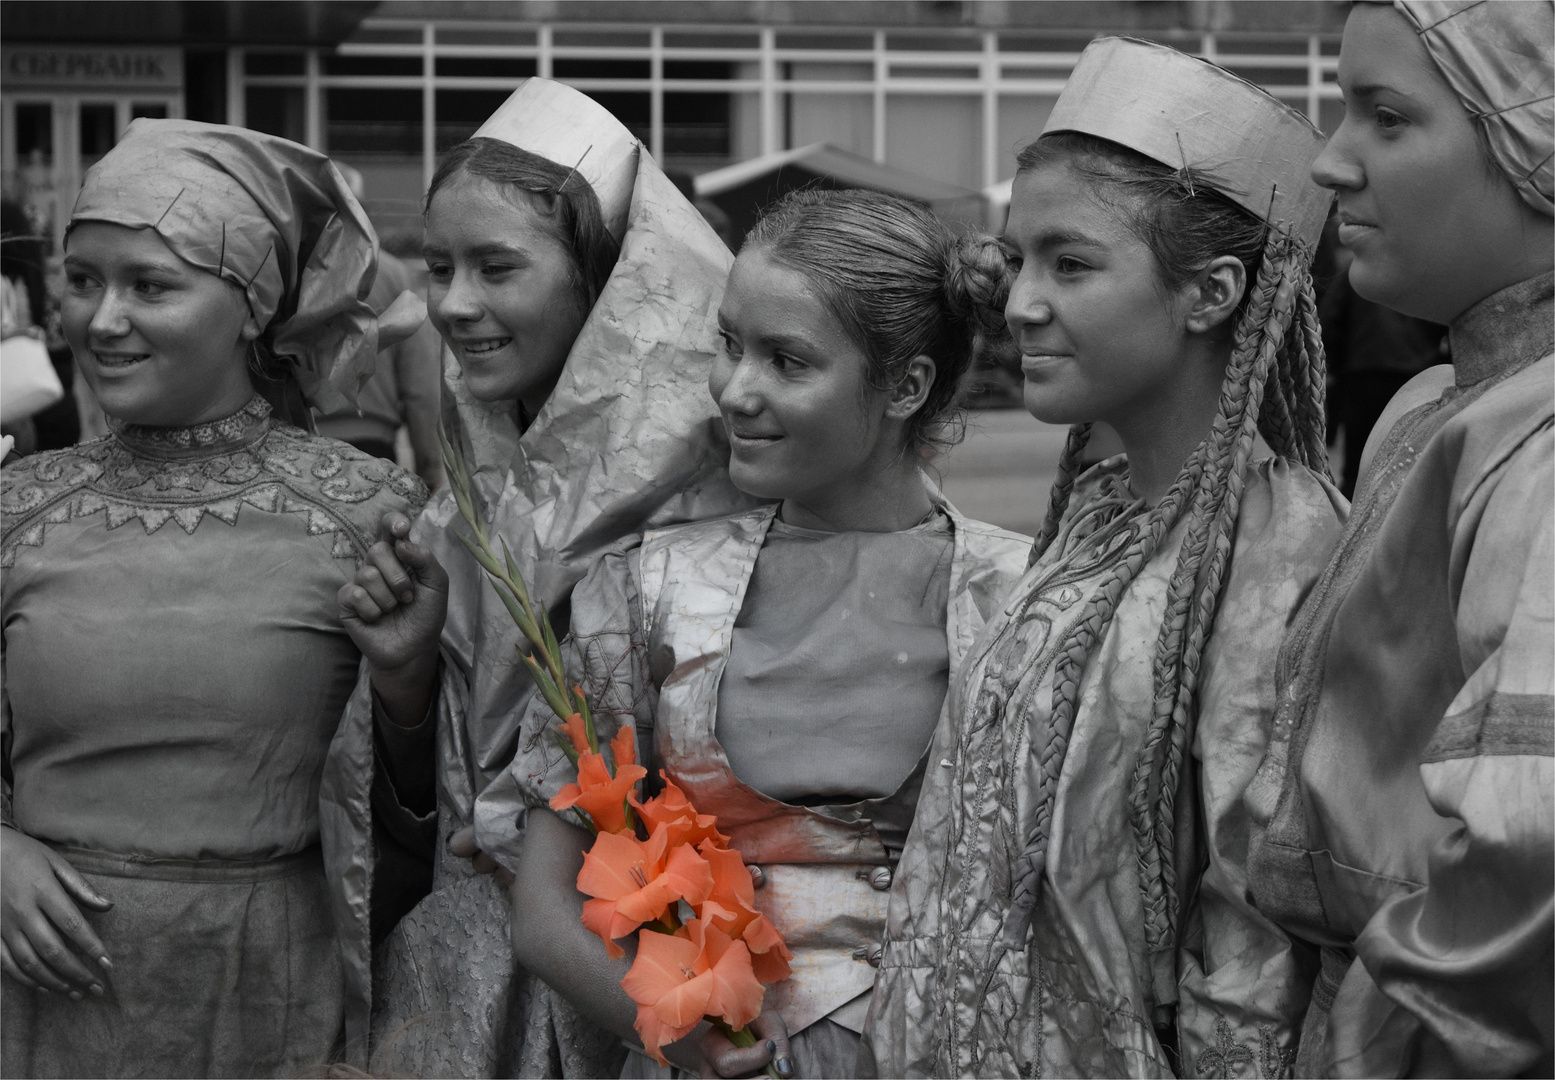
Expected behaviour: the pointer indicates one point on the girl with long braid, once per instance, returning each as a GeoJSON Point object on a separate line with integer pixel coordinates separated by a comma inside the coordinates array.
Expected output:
{"type": "Point", "coordinates": [1072, 898]}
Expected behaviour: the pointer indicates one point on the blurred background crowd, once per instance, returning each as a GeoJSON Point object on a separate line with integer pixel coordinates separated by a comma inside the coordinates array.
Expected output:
{"type": "Point", "coordinates": [740, 100]}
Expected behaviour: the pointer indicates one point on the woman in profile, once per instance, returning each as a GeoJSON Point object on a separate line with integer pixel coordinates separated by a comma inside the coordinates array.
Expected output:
{"type": "Point", "coordinates": [1407, 804]}
{"type": "Point", "coordinates": [175, 667]}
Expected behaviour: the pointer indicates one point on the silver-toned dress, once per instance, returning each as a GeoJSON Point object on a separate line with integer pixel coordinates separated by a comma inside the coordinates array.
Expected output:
{"type": "Point", "coordinates": [628, 440]}
{"type": "Point", "coordinates": [654, 634]}
{"type": "Point", "coordinates": [1406, 811]}
{"type": "Point", "coordinates": [1078, 998]}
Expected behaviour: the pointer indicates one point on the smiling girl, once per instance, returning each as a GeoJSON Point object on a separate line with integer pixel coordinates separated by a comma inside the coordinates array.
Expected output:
{"type": "Point", "coordinates": [574, 288]}
{"type": "Point", "coordinates": [786, 666]}
{"type": "Point", "coordinates": [1407, 803]}
{"type": "Point", "coordinates": [175, 669]}
{"type": "Point", "coordinates": [1072, 897]}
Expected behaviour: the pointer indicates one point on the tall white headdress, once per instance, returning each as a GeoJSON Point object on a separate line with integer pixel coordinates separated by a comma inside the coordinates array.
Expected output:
{"type": "Point", "coordinates": [570, 128]}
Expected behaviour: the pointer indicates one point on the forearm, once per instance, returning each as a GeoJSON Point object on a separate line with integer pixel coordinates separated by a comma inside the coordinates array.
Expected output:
{"type": "Point", "coordinates": [550, 941]}
{"type": "Point", "coordinates": [405, 693]}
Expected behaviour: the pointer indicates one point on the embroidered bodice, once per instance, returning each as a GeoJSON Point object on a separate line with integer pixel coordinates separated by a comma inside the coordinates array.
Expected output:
{"type": "Point", "coordinates": [181, 474]}
{"type": "Point", "coordinates": [172, 689]}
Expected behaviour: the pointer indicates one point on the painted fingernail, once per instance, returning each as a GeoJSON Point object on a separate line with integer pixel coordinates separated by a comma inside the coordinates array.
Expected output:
{"type": "Point", "coordinates": [771, 1047]}
{"type": "Point", "coordinates": [785, 1066]}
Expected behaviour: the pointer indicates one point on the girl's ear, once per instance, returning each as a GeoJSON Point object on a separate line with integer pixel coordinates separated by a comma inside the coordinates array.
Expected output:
{"type": "Point", "coordinates": [251, 329]}
{"type": "Point", "coordinates": [1214, 294]}
{"type": "Point", "coordinates": [913, 390]}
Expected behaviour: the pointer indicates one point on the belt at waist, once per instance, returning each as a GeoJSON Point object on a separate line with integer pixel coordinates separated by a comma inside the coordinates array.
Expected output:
{"type": "Point", "coordinates": [130, 865]}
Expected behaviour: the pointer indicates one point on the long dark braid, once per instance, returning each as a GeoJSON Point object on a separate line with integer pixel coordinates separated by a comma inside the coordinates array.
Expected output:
{"type": "Point", "coordinates": [1274, 384]}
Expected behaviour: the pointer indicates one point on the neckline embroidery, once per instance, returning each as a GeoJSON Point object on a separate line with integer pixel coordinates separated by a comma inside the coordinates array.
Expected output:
{"type": "Point", "coordinates": [245, 459]}
{"type": "Point", "coordinates": [236, 431]}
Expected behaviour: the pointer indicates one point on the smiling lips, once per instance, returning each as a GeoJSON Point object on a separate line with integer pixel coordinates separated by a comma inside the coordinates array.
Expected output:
{"type": "Point", "coordinates": [740, 435]}
{"type": "Point", "coordinates": [483, 346]}
{"type": "Point", "coordinates": [119, 360]}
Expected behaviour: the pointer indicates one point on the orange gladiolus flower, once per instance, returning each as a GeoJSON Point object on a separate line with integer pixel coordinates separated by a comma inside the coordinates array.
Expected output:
{"type": "Point", "coordinates": [732, 908]}
{"type": "Point", "coordinates": [674, 811]}
{"type": "Point", "coordinates": [678, 979]}
{"type": "Point", "coordinates": [636, 881]}
{"type": "Point", "coordinates": [572, 727]}
{"type": "Point", "coordinates": [600, 795]}
{"type": "Point", "coordinates": [623, 748]}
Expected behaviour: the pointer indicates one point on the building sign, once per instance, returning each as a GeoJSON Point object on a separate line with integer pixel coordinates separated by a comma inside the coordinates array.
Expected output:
{"type": "Point", "coordinates": [88, 67]}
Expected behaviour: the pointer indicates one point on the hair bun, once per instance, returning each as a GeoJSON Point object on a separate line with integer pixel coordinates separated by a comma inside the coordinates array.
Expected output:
{"type": "Point", "coordinates": [977, 282]}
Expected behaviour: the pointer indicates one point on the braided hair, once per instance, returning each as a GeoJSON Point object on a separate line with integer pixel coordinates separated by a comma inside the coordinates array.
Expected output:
{"type": "Point", "coordinates": [1274, 386]}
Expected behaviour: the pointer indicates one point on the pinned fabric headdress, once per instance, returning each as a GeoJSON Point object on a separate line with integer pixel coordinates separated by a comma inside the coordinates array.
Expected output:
{"type": "Point", "coordinates": [573, 130]}
{"type": "Point", "coordinates": [1496, 58]}
{"type": "Point", "coordinates": [274, 218]}
{"type": "Point", "coordinates": [1188, 113]}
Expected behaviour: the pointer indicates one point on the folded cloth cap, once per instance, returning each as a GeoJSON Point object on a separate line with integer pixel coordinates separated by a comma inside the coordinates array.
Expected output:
{"type": "Point", "coordinates": [1496, 56]}
{"type": "Point", "coordinates": [1188, 113]}
{"type": "Point", "coordinates": [274, 218]}
{"type": "Point", "coordinates": [573, 130]}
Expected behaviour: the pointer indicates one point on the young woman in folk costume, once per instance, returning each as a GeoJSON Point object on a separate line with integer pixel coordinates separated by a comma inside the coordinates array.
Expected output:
{"type": "Point", "coordinates": [175, 665]}
{"type": "Point", "coordinates": [1072, 897]}
{"type": "Point", "coordinates": [785, 666]}
{"type": "Point", "coordinates": [575, 289]}
{"type": "Point", "coordinates": [1406, 806]}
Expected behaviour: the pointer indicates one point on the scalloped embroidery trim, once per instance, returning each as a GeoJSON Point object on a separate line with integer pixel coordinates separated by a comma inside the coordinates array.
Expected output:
{"type": "Point", "coordinates": [270, 497]}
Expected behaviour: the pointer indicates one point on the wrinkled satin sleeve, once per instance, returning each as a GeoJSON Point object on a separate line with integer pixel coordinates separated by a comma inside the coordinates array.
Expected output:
{"type": "Point", "coordinates": [1466, 962]}
{"type": "Point", "coordinates": [605, 652]}
{"type": "Point", "coordinates": [1242, 981]}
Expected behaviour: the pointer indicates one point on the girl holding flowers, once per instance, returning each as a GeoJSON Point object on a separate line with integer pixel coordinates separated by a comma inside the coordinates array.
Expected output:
{"type": "Point", "coordinates": [1073, 896]}
{"type": "Point", "coordinates": [782, 668]}
{"type": "Point", "coordinates": [574, 288]}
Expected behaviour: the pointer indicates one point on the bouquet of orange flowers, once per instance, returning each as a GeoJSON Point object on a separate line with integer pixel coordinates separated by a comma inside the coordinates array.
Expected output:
{"type": "Point", "coordinates": [657, 868]}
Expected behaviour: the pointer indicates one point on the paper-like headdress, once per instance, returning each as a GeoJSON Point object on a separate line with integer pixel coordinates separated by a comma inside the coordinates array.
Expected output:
{"type": "Point", "coordinates": [570, 128]}
{"type": "Point", "coordinates": [272, 217]}
{"type": "Point", "coordinates": [1496, 58]}
{"type": "Point", "coordinates": [1188, 113]}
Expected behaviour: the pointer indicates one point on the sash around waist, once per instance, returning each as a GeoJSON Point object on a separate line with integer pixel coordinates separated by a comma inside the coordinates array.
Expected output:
{"type": "Point", "coordinates": [156, 868]}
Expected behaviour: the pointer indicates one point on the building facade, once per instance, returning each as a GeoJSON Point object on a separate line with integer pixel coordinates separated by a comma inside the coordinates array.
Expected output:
{"type": "Point", "coordinates": [948, 90]}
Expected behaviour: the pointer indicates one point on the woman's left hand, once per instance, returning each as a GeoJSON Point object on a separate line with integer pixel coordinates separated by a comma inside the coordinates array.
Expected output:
{"type": "Point", "coordinates": [721, 1058]}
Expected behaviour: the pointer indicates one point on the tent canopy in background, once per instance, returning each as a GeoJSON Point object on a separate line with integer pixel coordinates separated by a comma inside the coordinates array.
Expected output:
{"type": "Point", "coordinates": [745, 189]}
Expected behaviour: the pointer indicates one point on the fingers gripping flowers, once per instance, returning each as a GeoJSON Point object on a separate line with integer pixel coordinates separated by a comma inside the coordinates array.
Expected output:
{"type": "Point", "coordinates": [651, 860]}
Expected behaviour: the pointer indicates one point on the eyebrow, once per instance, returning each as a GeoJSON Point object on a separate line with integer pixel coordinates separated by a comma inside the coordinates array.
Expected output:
{"type": "Point", "coordinates": [1368, 90]}
{"type": "Point", "coordinates": [776, 341]}
{"type": "Point", "coordinates": [1051, 238]}
{"type": "Point", "coordinates": [495, 248]}
{"type": "Point", "coordinates": [138, 266]}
